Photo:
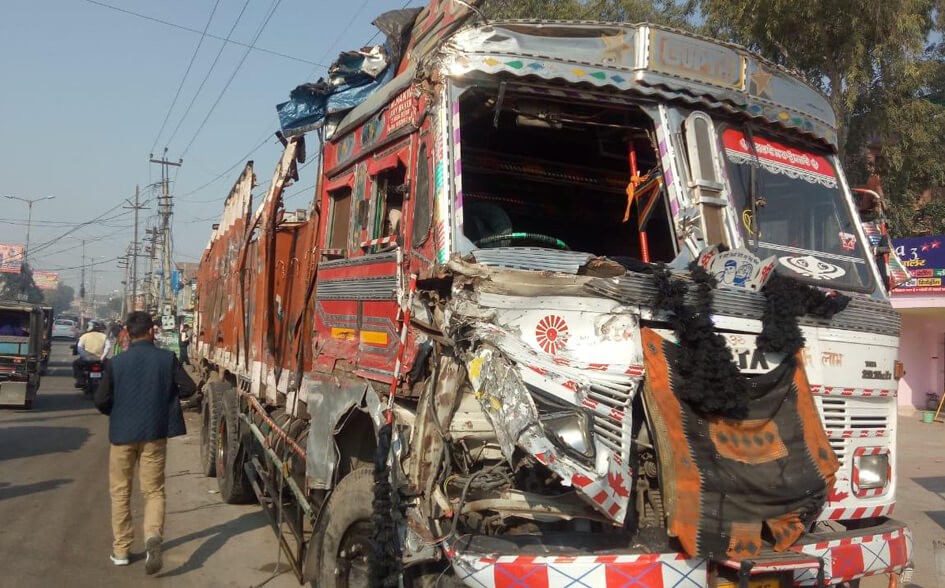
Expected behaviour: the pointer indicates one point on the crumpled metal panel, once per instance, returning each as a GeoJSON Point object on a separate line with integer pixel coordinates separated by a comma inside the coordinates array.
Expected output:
{"type": "Point", "coordinates": [505, 400]}
{"type": "Point", "coordinates": [862, 314]}
{"type": "Point", "coordinates": [328, 398]}
{"type": "Point", "coordinates": [533, 258]}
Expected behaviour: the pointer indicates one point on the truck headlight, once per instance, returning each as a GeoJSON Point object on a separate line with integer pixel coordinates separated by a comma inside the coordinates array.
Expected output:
{"type": "Point", "coordinates": [871, 471]}
{"type": "Point", "coordinates": [571, 431]}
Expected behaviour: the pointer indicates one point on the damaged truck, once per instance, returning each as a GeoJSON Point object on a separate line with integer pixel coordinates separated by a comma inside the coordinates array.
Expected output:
{"type": "Point", "coordinates": [573, 304]}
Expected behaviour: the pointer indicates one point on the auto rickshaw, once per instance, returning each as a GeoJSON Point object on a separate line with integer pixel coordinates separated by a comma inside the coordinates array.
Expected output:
{"type": "Point", "coordinates": [21, 346]}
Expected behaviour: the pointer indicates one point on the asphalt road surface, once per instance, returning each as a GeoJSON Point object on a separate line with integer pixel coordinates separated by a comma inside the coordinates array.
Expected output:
{"type": "Point", "coordinates": [54, 508]}
{"type": "Point", "coordinates": [54, 511]}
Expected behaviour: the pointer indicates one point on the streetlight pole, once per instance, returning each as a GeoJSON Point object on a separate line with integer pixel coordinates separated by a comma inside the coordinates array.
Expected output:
{"type": "Point", "coordinates": [29, 219]}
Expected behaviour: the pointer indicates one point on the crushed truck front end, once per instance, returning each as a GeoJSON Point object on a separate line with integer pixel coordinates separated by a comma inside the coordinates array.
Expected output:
{"type": "Point", "coordinates": [636, 145]}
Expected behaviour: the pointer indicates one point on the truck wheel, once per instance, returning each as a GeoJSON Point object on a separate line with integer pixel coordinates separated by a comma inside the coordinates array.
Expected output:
{"type": "Point", "coordinates": [345, 531]}
{"type": "Point", "coordinates": [231, 455]}
{"type": "Point", "coordinates": [209, 417]}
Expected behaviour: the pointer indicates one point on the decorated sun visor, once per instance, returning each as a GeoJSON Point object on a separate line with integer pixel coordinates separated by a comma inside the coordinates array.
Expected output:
{"type": "Point", "coordinates": [778, 159]}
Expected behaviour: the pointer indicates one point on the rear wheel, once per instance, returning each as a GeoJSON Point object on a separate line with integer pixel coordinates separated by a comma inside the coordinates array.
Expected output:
{"type": "Point", "coordinates": [231, 454]}
{"type": "Point", "coordinates": [345, 533]}
{"type": "Point", "coordinates": [209, 417]}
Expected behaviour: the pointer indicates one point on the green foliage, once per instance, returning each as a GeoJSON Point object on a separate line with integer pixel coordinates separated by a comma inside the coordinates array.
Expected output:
{"type": "Point", "coordinates": [14, 286]}
{"type": "Point", "coordinates": [669, 12]}
{"type": "Point", "coordinates": [60, 298]}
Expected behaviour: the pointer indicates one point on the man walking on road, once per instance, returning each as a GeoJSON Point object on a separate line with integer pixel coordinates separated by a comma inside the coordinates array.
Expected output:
{"type": "Point", "coordinates": [141, 392]}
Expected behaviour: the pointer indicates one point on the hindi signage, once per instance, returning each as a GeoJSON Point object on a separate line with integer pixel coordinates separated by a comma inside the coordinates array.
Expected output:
{"type": "Point", "coordinates": [11, 258]}
{"type": "Point", "coordinates": [924, 257]}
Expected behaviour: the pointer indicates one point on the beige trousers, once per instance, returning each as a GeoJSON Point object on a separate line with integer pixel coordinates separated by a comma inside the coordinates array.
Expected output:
{"type": "Point", "coordinates": [149, 457]}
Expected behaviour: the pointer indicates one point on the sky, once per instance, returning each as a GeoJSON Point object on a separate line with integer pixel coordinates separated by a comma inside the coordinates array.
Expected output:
{"type": "Point", "coordinates": [85, 88]}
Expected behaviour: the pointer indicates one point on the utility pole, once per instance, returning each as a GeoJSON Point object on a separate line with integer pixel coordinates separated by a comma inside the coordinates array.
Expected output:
{"type": "Point", "coordinates": [82, 290]}
{"type": "Point", "coordinates": [29, 220]}
{"type": "Point", "coordinates": [124, 263]}
{"type": "Point", "coordinates": [165, 208]}
{"type": "Point", "coordinates": [134, 249]}
{"type": "Point", "coordinates": [151, 250]}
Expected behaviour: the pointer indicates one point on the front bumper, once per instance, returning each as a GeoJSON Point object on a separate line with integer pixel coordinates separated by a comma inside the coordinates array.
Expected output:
{"type": "Point", "coordinates": [886, 548]}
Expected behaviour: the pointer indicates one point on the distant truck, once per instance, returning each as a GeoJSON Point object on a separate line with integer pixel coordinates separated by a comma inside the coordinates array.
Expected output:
{"type": "Point", "coordinates": [22, 339]}
{"type": "Point", "coordinates": [456, 366]}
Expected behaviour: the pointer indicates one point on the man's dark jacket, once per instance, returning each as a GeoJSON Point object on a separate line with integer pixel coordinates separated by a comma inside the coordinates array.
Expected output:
{"type": "Point", "coordinates": [141, 391]}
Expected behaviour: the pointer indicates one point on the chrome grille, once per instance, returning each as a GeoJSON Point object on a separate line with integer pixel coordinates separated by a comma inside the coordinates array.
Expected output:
{"type": "Point", "coordinates": [861, 314]}
{"type": "Point", "coordinates": [610, 431]}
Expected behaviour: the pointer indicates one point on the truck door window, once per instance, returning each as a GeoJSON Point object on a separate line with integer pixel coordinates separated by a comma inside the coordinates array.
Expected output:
{"type": "Point", "coordinates": [422, 208]}
{"type": "Point", "coordinates": [340, 218]}
{"type": "Point", "coordinates": [390, 187]}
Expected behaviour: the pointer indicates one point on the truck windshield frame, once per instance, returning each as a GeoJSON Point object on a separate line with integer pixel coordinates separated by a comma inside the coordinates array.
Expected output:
{"type": "Point", "coordinates": [791, 203]}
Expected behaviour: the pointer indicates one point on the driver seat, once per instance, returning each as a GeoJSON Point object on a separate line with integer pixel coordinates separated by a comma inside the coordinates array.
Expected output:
{"type": "Point", "coordinates": [484, 219]}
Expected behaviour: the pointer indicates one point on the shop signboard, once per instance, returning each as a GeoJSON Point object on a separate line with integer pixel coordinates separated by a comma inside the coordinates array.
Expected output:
{"type": "Point", "coordinates": [46, 280]}
{"type": "Point", "coordinates": [924, 257]}
{"type": "Point", "coordinates": [11, 258]}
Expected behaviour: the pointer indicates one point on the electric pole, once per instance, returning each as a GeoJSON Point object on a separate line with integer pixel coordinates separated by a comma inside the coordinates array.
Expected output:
{"type": "Point", "coordinates": [134, 249]}
{"type": "Point", "coordinates": [165, 208]}
{"type": "Point", "coordinates": [82, 290]}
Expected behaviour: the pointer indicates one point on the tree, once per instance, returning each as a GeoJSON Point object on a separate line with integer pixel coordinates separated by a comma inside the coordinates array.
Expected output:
{"type": "Point", "coordinates": [669, 12]}
{"type": "Point", "coordinates": [18, 286]}
{"type": "Point", "coordinates": [60, 298]}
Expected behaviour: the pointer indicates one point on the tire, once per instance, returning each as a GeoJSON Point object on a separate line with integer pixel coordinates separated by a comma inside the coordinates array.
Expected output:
{"type": "Point", "coordinates": [231, 454]}
{"type": "Point", "coordinates": [209, 416]}
{"type": "Point", "coordinates": [345, 526]}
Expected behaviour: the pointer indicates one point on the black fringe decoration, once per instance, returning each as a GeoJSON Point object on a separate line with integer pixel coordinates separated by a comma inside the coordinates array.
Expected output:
{"type": "Point", "coordinates": [384, 563]}
{"type": "Point", "coordinates": [785, 301]}
{"type": "Point", "coordinates": [710, 381]}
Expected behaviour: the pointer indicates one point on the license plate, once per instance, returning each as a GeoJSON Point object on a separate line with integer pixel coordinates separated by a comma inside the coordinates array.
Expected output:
{"type": "Point", "coordinates": [95, 374]}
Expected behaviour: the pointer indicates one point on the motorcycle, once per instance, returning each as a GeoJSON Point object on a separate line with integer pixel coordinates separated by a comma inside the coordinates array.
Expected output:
{"type": "Point", "coordinates": [92, 376]}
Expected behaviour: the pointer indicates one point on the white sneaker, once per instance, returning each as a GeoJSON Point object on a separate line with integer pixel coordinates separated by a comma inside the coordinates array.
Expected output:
{"type": "Point", "coordinates": [119, 561]}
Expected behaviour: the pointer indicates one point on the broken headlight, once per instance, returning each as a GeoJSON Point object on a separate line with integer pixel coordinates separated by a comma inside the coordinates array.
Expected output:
{"type": "Point", "coordinates": [568, 426]}
{"type": "Point", "coordinates": [570, 431]}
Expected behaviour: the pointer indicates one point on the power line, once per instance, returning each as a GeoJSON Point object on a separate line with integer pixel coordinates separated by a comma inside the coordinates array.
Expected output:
{"type": "Point", "coordinates": [209, 71]}
{"type": "Point", "coordinates": [180, 86]}
{"type": "Point", "coordinates": [190, 30]}
{"type": "Point", "coordinates": [262, 27]}
{"type": "Point", "coordinates": [240, 161]}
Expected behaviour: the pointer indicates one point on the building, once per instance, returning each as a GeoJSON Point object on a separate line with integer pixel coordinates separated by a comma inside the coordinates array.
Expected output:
{"type": "Point", "coordinates": [921, 303]}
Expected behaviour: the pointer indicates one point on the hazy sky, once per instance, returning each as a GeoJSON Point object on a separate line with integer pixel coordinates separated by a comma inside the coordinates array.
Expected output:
{"type": "Point", "coordinates": [84, 90]}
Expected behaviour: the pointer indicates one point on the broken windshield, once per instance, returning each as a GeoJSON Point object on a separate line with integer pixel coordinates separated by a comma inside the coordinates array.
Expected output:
{"type": "Point", "coordinates": [791, 205]}
{"type": "Point", "coordinates": [554, 175]}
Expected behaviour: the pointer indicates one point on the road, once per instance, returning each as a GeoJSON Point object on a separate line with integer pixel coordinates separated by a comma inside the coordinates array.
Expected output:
{"type": "Point", "coordinates": [54, 505]}
{"type": "Point", "coordinates": [55, 513]}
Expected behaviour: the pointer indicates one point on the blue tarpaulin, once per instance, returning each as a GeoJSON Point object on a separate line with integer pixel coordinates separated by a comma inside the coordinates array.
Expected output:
{"type": "Point", "coordinates": [353, 77]}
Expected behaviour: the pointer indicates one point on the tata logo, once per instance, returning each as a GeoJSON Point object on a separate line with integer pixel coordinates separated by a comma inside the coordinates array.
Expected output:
{"type": "Point", "coordinates": [751, 359]}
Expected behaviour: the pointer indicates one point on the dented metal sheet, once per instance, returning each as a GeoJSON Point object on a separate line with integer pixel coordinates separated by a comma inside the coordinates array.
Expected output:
{"type": "Point", "coordinates": [328, 398]}
{"type": "Point", "coordinates": [533, 258]}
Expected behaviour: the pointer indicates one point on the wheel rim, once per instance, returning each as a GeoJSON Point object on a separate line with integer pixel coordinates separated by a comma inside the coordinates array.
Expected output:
{"type": "Point", "coordinates": [221, 449]}
{"type": "Point", "coordinates": [351, 569]}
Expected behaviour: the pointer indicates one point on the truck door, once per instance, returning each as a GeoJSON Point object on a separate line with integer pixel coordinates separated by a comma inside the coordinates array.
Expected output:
{"type": "Point", "coordinates": [360, 282]}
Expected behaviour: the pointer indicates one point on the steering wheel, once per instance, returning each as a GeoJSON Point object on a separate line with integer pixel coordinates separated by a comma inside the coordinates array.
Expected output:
{"type": "Point", "coordinates": [536, 237]}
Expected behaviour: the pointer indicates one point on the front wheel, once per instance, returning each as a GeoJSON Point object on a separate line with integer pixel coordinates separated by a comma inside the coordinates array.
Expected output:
{"type": "Point", "coordinates": [345, 532]}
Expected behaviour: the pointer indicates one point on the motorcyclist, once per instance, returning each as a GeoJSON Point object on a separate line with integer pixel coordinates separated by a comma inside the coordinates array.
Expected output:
{"type": "Point", "coordinates": [91, 347]}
